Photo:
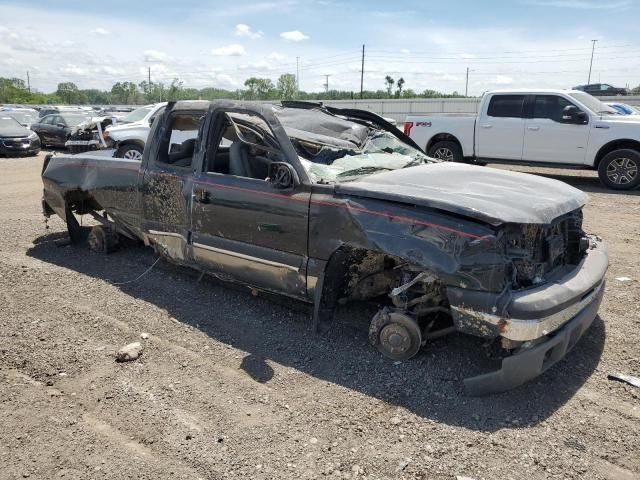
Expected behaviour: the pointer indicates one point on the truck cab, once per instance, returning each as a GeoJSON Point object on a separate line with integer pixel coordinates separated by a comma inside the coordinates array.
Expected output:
{"type": "Point", "coordinates": [556, 128]}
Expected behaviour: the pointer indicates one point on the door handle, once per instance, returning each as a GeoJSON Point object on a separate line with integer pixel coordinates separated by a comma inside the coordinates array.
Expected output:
{"type": "Point", "coordinates": [486, 125]}
{"type": "Point", "coordinates": [202, 196]}
{"type": "Point", "coordinates": [533, 127]}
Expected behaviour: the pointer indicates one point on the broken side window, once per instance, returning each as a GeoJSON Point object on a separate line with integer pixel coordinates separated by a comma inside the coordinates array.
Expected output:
{"type": "Point", "coordinates": [246, 148]}
{"type": "Point", "coordinates": [182, 139]}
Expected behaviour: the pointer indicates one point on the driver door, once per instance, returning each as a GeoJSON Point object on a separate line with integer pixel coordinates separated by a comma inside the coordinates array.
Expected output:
{"type": "Point", "coordinates": [242, 227]}
{"type": "Point", "coordinates": [550, 138]}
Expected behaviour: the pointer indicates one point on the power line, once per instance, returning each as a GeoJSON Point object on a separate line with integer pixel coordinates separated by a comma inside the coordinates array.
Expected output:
{"type": "Point", "coordinates": [326, 82]}
{"type": "Point", "coordinates": [546, 50]}
{"type": "Point", "coordinates": [362, 74]}
{"type": "Point", "coordinates": [593, 47]}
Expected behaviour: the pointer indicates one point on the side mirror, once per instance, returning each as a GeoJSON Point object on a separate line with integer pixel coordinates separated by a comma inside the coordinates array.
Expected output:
{"type": "Point", "coordinates": [571, 114]}
{"type": "Point", "coordinates": [282, 176]}
{"type": "Point", "coordinates": [61, 125]}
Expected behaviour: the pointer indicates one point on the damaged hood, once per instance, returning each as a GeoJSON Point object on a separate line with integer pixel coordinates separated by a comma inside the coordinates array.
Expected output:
{"type": "Point", "coordinates": [487, 194]}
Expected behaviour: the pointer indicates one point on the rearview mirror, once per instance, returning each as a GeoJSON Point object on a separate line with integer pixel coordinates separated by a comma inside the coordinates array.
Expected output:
{"type": "Point", "coordinates": [282, 176]}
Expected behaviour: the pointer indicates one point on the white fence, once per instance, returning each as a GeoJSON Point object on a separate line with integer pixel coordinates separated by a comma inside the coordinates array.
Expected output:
{"type": "Point", "coordinates": [399, 109]}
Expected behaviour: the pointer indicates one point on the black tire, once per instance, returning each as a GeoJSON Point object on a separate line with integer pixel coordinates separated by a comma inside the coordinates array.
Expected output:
{"type": "Point", "coordinates": [396, 335]}
{"type": "Point", "coordinates": [130, 152]}
{"type": "Point", "coordinates": [446, 151]}
{"type": "Point", "coordinates": [620, 169]}
{"type": "Point", "coordinates": [103, 239]}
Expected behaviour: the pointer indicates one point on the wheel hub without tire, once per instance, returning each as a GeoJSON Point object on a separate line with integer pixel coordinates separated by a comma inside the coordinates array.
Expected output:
{"type": "Point", "coordinates": [395, 334]}
{"type": "Point", "coordinates": [395, 339]}
{"type": "Point", "coordinates": [622, 170]}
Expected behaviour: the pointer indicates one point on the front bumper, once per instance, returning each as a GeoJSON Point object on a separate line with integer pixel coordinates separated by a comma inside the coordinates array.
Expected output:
{"type": "Point", "coordinates": [546, 321]}
{"type": "Point", "coordinates": [532, 362]}
{"type": "Point", "coordinates": [17, 146]}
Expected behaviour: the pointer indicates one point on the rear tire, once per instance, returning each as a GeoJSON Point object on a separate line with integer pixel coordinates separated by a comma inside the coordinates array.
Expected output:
{"type": "Point", "coordinates": [446, 151]}
{"type": "Point", "coordinates": [103, 239]}
{"type": "Point", "coordinates": [620, 169]}
{"type": "Point", "coordinates": [130, 152]}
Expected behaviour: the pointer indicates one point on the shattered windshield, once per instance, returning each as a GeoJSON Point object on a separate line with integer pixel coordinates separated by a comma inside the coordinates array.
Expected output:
{"type": "Point", "coordinates": [335, 149]}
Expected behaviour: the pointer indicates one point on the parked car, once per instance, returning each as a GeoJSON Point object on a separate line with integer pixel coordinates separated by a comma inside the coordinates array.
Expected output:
{"type": "Point", "coordinates": [623, 108]}
{"type": "Point", "coordinates": [52, 110]}
{"type": "Point", "coordinates": [89, 135]}
{"type": "Point", "coordinates": [330, 205]}
{"type": "Point", "coordinates": [132, 130]}
{"type": "Point", "coordinates": [24, 116]}
{"type": "Point", "coordinates": [53, 130]}
{"type": "Point", "coordinates": [15, 139]}
{"type": "Point", "coordinates": [554, 128]}
{"type": "Point", "coordinates": [602, 89]}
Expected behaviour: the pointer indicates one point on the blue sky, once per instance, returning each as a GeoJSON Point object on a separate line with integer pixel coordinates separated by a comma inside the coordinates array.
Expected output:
{"type": "Point", "coordinates": [519, 43]}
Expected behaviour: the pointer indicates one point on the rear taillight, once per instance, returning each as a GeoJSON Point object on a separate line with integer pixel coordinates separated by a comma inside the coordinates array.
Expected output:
{"type": "Point", "coordinates": [407, 128]}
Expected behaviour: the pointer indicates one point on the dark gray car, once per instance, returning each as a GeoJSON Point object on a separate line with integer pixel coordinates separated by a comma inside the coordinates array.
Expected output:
{"type": "Point", "coordinates": [16, 139]}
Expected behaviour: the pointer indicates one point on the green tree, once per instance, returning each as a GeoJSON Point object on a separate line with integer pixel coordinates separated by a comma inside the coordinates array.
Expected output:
{"type": "Point", "coordinates": [259, 88]}
{"type": "Point", "coordinates": [68, 92]}
{"type": "Point", "coordinates": [287, 87]}
{"type": "Point", "coordinates": [124, 93]}
{"type": "Point", "coordinates": [399, 84]}
{"type": "Point", "coordinates": [175, 90]}
{"type": "Point", "coordinates": [389, 81]}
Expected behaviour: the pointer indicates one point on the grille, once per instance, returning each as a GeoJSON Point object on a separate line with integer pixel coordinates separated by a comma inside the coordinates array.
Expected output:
{"type": "Point", "coordinates": [16, 142]}
{"type": "Point", "coordinates": [537, 250]}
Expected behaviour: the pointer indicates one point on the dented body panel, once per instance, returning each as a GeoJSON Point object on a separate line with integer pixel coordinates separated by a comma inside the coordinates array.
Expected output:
{"type": "Point", "coordinates": [472, 246]}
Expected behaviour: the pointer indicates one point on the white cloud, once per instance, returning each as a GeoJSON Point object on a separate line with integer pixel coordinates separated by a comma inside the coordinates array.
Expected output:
{"type": "Point", "coordinates": [101, 31]}
{"type": "Point", "coordinates": [243, 30]}
{"type": "Point", "coordinates": [107, 70]}
{"type": "Point", "coordinates": [502, 80]}
{"type": "Point", "coordinates": [154, 56]}
{"type": "Point", "coordinates": [276, 56]}
{"type": "Point", "coordinates": [233, 50]}
{"type": "Point", "coordinates": [294, 36]}
{"type": "Point", "coordinates": [405, 51]}
{"type": "Point", "coordinates": [71, 69]}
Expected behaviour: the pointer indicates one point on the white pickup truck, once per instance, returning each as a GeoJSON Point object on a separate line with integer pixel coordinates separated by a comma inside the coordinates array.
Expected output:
{"type": "Point", "coordinates": [554, 128]}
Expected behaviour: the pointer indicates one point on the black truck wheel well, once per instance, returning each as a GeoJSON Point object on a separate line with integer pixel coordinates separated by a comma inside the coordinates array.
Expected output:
{"type": "Point", "coordinates": [442, 137]}
{"type": "Point", "coordinates": [81, 202]}
{"type": "Point", "coordinates": [615, 145]}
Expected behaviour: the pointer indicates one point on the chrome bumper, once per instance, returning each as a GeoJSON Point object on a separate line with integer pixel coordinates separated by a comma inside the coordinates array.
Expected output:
{"type": "Point", "coordinates": [535, 312]}
{"type": "Point", "coordinates": [531, 362]}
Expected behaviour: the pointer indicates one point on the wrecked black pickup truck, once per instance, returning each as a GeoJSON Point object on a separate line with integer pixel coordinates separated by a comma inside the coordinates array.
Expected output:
{"type": "Point", "coordinates": [329, 205]}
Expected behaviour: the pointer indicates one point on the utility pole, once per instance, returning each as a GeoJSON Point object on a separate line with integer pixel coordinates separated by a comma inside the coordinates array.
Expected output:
{"type": "Point", "coordinates": [298, 74]}
{"type": "Point", "coordinates": [466, 85]}
{"type": "Point", "coordinates": [362, 73]}
{"type": "Point", "coordinates": [28, 82]}
{"type": "Point", "coordinates": [326, 82]}
{"type": "Point", "coordinates": [591, 64]}
{"type": "Point", "coordinates": [149, 75]}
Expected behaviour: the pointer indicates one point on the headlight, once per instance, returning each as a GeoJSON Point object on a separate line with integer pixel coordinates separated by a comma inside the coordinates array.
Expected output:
{"type": "Point", "coordinates": [33, 136]}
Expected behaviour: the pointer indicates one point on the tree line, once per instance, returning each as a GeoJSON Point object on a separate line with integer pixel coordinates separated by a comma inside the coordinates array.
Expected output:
{"type": "Point", "coordinates": [14, 90]}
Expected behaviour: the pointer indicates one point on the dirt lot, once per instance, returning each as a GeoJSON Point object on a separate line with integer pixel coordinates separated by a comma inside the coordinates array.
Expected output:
{"type": "Point", "coordinates": [232, 385]}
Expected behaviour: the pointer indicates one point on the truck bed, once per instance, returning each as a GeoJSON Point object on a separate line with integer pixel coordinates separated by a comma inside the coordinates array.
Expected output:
{"type": "Point", "coordinates": [93, 181]}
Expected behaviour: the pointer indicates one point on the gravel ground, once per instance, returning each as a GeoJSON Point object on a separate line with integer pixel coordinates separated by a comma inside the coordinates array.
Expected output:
{"type": "Point", "coordinates": [232, 385]}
